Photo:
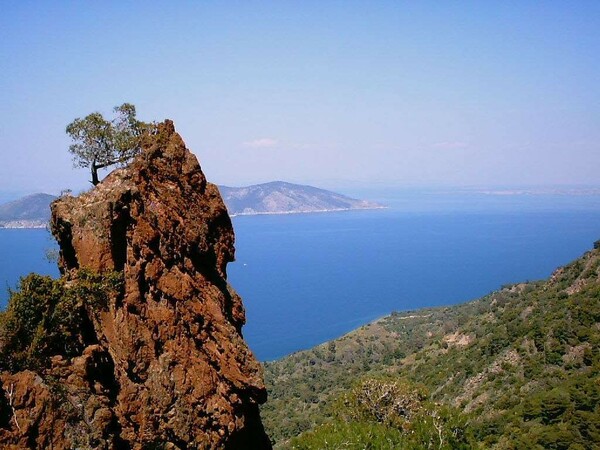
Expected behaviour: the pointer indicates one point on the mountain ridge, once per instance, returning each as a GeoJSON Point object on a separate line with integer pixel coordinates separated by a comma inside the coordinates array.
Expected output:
{"type": "Point", "coordinates": [274, 197]}
{"type": "Point", "coordinates": [31, 211]}
{"type": "Point", "coordinates": [281, 197]}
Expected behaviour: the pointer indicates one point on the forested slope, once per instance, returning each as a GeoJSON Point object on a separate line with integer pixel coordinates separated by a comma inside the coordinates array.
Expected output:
{"type": "Point", "coordinates": [521, 366]}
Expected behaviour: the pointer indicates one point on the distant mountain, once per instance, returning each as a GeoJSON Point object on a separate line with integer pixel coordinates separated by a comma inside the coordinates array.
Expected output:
{"type": "Point", "coordinates": [279, 197]}
{"type": "Point", "coordinates": [32, 211]}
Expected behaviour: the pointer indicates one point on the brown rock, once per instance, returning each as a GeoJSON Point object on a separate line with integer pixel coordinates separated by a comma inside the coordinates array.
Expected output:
{"type": "Point", "coordinates": [168, 365]}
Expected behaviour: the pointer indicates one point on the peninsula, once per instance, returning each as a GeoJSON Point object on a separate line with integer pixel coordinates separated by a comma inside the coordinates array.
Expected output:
{"type": "Point", "coordinates": [276, 197]}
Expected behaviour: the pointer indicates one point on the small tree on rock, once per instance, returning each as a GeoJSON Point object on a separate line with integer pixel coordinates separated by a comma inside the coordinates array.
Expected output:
{"type": "Point", "coordinates": [100, 143]}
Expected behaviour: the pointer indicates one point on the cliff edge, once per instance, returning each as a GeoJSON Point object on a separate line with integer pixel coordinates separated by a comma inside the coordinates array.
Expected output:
{"type": "Point", "coordinates": [161, 362]}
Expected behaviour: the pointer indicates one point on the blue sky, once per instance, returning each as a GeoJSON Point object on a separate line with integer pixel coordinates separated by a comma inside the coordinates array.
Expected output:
{"type": "Point", "coordinates": [335, 94]}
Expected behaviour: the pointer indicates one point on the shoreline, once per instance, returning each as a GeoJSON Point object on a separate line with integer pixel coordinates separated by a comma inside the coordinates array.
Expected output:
{"type": "Point", "coordinates": [38, 225]}
{"type": "Point", "coordinates": [23, 225]}
{"type": "Point", "coordinates": [278, 213]}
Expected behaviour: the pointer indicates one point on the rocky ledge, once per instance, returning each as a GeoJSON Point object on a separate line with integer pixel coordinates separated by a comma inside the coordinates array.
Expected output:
{"type": "Point", "coordinates": [163, 361]}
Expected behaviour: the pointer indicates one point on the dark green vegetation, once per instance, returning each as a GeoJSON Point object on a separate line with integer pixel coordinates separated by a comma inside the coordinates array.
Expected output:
{"type": "Point", "coordinates": [517, 369]}
{"type": "Point", "coordinates": [388, 413]}
{"type": "Point", "coordinates": [100, 143]}
{"type": "Point", "coordinates": [47, 317]}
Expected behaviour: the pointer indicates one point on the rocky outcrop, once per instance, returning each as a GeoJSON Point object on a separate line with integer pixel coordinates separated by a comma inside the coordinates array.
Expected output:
{"type": "Point", "coordinates": [165, 364]}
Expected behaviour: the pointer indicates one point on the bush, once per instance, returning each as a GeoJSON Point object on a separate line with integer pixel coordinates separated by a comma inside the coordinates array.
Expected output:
{"type": "Point", "coordinates": [385, 400]}
{"type": "Point", "coordinates": [388, 413]}
{"type": "Point", "coordinates": [350, 435]}
{"type": "Point", "coordinates": [46, 317]}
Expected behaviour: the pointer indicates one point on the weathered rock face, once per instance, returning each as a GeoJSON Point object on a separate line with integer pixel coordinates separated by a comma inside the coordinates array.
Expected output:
{"type": "Point", "coordinates": [165, 365]}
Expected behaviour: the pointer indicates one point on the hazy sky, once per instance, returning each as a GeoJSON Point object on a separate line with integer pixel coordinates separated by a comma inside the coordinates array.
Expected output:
{"type": "Point", "coordinates": [328, 93]}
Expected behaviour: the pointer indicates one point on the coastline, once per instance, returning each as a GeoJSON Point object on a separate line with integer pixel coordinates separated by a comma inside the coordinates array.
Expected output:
{"type": "Point", "coordinates": [23, 224]}
{"type": "Point", "coordinates": [38, 224]}
{"type": "Point", "coordinates": [278, 213]}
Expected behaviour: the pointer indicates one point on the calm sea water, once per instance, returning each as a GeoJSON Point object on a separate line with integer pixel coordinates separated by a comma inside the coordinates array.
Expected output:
{"type": "Point", "coordinates": [308, 278]}
{"type": "Point", "coordinates": [22, 252]}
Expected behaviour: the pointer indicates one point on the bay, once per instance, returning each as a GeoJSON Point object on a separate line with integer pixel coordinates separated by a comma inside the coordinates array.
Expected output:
{"type": "Point", "coordinates": [308, 278]}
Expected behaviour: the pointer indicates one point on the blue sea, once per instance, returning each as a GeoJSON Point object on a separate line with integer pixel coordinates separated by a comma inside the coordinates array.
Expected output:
{"type": "Point", "coordinates": [308, 278]}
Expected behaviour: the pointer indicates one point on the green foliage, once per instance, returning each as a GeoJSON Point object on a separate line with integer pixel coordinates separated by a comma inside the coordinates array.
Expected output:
{"type": "Point", "coordinates": [387, 413]}
{"type": "Point", "coordinates": [99, 143]}
{"type": "Point", "coordinates": [568, 414]}
{"type": "Point", "coordinates": [383, 399]}
{"type": "Point", "coordinates": [350, 435]}
{"type": "Point", "coordinates": [522, 362]}
{"type": "Point", "coordinates": [96, 288]}
{"type": "Point", "coordinates": [45, 317]}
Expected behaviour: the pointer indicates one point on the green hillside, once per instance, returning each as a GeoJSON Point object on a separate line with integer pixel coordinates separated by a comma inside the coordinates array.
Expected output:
{"type": "Point", "coordinates": [520, 367]}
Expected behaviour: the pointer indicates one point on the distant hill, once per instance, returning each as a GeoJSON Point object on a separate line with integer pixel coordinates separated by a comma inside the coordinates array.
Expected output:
{"type": "Point", "coordinates": [521, 366]}
{"type": "Point", "coordinates": [279, 197]}
{"type": "Point", "coordinates": [32, 211]}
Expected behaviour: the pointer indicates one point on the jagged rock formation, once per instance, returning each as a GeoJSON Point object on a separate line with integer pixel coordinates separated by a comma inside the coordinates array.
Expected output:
{"type": "Point", "coordinates": [165, 364]}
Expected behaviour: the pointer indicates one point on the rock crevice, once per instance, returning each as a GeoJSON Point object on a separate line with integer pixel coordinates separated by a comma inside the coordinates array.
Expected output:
{"type": "Point", "coordinates": [168, 366]}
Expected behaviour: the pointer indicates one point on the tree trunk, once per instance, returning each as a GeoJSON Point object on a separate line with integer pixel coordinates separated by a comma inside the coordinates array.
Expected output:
{"type": "Point", "coordinates": [95, 179]}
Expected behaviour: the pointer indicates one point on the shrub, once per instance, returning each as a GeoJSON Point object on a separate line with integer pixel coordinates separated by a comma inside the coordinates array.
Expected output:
{"type": "Point", "coordinates": [388, 413]}
{"type": "Point", "coordinates": [46, 317]}
{"type": "Point", "coordinates": [385, 400]}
